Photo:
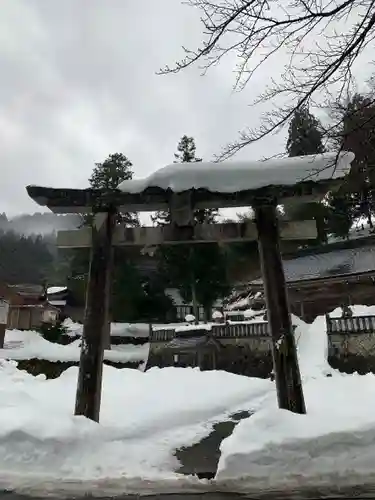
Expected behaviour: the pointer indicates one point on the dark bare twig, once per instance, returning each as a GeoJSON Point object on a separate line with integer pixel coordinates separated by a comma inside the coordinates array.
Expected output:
{"type": "Point", "coordinates": [321, 39]}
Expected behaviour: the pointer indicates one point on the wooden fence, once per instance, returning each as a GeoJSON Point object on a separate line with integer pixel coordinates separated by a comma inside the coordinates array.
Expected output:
{"type": "Point", "coordinates": [354, 324]}
{"type": "Point", "coordinates": [219, 331]}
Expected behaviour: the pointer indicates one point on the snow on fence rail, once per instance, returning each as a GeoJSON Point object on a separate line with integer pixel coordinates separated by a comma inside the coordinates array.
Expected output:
{"type": "Point", "coordinates": [221, 331]}
{"type": "Point", "coordinates": [121, 333]}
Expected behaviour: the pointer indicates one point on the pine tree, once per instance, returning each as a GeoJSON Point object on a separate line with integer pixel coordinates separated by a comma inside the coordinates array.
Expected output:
{"type": "Point", "coordinates": [340, 217]}
{"type": "Point", "coordinates": [305, 137]}
{"type": "Point", "coordinates": [108, 175]}
{"type": "Point", "coordinates": [126, 284]}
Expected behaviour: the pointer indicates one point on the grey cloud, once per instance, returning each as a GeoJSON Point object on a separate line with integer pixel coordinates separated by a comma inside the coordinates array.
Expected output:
{"type": "Point", "coordinates": [79, 82]}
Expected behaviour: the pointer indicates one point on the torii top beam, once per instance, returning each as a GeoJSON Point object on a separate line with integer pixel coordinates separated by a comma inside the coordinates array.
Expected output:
{"type": "Point", "coordinates": [212, 185]}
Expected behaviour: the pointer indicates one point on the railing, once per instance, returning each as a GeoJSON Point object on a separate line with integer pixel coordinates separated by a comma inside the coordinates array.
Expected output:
{"type": "Point", "coordinates": [219, 331]}
{"type": "Point", "coordinates": [163, 335]}
{"type": "Point", "coordinates": [354, 324]}
{"type": "Point", "coordinates": [234, 316]}
{"type": "Point", "coordinates": [243, 330]}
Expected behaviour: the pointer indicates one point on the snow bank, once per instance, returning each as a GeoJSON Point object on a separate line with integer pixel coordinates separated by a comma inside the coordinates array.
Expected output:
{"type": "Point", "coordinates": [56, 289]}
{"type": "Point", "coordinates": [312, 347]}
{"type": "Point", "coordinates": [144, 418]}
{"type": "Point", "coordinates": [333, 444]}
{"type": "Point", "coordinates": [236, 176]}
{"type": "Point", "coordinates": [117, 329]}
{"type": "Point", "coordinates": [21, 345]}
{"type": "Point", "coordinates": [189, 328]}
{"type": "Point", "coordinates": [217, 315]}
{"type": "Point", "coordinates": [358, 310]}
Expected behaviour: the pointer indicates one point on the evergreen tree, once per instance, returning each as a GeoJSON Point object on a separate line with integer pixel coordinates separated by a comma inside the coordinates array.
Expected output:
{"type": "Point", "coordinates": [202, 278]}
{"type": "Point", "coordinates": [128, 294]}
{"type": "Point", "coordinates": [4, 223]}
{"type": "Point", "coordinates": [358, 135]}
{"type": "Point", "coordinates": [186, 153]}
{"type": "Point", "coordinates": [127, 291]}
{"type": "Point", "coordinates": [24, 259]}
{"type": "Point", "coordinates": [156, 305]}
{"type": "Point", "coordinates": [108, 175]}
{"type": "Point", "coordinates": [340, 217]}
{"type": "Point", "coordinates": [305, 138]}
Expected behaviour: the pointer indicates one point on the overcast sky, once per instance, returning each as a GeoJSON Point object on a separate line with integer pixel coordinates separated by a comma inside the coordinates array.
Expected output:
{"type": "Point", "coordinates": [78, 82]}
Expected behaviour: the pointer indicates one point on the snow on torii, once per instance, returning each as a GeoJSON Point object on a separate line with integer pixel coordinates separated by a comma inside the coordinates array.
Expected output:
{"type": "Point", "coordinates": [182, 188]}
{"type": "Point", "coordinates": [231, 183]}
{"type": "Point", "coordinates": [236, 176]}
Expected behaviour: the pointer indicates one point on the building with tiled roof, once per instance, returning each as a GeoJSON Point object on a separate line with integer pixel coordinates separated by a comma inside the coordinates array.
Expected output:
{"type": "Point", "coordinates": [322, 279]}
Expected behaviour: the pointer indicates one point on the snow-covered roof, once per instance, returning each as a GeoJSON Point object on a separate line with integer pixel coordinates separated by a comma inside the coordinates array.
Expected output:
{"type": "Point", "coordinates": [57, 303]}
{"type": "Point", "coordinates": [27, 290]}
{"type": "Point", "coordinates": [193, 328]}
{"type": "Point", "coordinates": [236, 176]}
{"type": "Point", "coordinates": [55, 289]}
{"type": "Point", "coordinates": [336, 263]}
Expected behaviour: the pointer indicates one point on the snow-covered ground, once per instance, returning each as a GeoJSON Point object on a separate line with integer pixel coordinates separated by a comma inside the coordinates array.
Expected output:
{"type": "Point", "coordinates": [146, 416]}
{"type": "Point", "coordinates": [117, 329]}
{"type": "Point", "coordinates": [359, 229]}
{"type": "Point", "coordinates": [28, 345]}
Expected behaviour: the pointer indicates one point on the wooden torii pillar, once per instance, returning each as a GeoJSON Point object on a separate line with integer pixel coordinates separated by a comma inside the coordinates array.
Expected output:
{"type": "Point", "coordinates": [286, 369]}
{"type": "Point", "coordinates": [96, 322]}
{"type": "Point", "coordinates": [267, 229]}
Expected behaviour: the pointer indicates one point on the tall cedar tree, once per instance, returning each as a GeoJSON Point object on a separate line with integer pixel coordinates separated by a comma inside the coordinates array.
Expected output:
{"type": "Point", "coordinates": [305, 138]}
{"type": "Point", "coordinates": [304, 135]}
{"type": "Point", "coordinates": [358, 135]}
{"type": "Point", "coordinates": [24, 259]}
{"type": "Point", "coordinates": [197, 269]}
{"type": "Point", "coordinates": [186, 153]}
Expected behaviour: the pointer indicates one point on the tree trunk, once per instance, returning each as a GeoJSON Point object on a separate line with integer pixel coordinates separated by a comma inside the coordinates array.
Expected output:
{"type": "Point", "coordinates": [2, 335]}
{"type": "Point", "coordinates": [193, 288]}
{"type": "Point", "coordinates": [321, 229]}
{"type": "Point", "coordinates": [207, 312]}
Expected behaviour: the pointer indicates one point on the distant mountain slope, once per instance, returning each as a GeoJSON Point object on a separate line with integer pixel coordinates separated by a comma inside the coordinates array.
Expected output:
{"type": "Point", "coordinates": [38, 223]}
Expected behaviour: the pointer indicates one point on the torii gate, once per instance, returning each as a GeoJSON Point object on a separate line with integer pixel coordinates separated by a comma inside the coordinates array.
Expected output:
{"type": "Point", "coordinates": [182, 188]}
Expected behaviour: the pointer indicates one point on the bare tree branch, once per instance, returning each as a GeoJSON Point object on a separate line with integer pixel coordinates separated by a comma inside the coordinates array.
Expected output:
{"type": "Point", "coordinates": [321, 39]}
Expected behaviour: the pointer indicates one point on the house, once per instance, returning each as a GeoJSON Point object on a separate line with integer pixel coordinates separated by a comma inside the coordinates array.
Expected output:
{"type": "Point", "coordinates": [30, 317]}
{"type": "Point", "coordinates": [28, 307]}
{"type": "Point", "coordinates": [320, 280]}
